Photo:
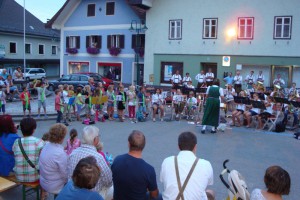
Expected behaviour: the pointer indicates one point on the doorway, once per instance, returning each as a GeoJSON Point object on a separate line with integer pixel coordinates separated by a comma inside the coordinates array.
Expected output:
{"type": "Point", "coordinates": [285, 72]}
{"type": "Point", "coordinates": [213, 66]}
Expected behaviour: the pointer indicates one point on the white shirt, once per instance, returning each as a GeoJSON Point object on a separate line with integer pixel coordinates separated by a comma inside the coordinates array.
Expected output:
{"type": "Point", "coordinates": [280, 81]}
{"type": "Point", "coordinates": [199, 180]}
{"type": "Point", "coordinates": [192, 101]}
{"type": "Point", "coordinates": [238, 79]}
{"type": "Point", "coordinates": [250, 78]}
{"type": "Point", "coordinates": [240, 106]}
{"type": "Point", "coordinates": [209, 74]}
{"type": "Point", "coordinates": [157, 98]}
{"type": "Point", "coordinates": [186, 79]}
{"type": "Point", "coordinates": [178, 98]}
{"type": "Point", "coordinates": [65, 96]}
{"type": "Point", "coordinates": [190, 86]}
{"type": "Point", "coordinates": [229, 94]}
{"type": "Point", "coordinates": [260, 78]}
{"type": "Point", "coordinates": [176, 78]}
{"type": "Point", "coordinates": [200, 78]}
{"type": "Point", "coordinates": [257, 110]}
{"type": "Point", "coordinates": [257, 195]}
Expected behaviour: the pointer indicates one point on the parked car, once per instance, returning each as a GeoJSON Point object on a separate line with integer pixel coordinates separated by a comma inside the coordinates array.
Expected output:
{"type": "Point", "coordinates": [106, 81]}
{"type": "Point", "coordinates": [34, 73]}
{"type": "Point", "coordinates": [77, 80]}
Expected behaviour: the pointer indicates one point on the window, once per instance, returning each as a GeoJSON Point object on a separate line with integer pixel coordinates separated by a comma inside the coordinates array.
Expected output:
{"type": "Point", "coordinates": [91, 10]}
{"type": "Point", "coordinates": [53, 50]}
{"type": "Point", "coordinates": [175, 29]}
{"type": "Point", "coordinates": [246, 28]}
{"type": "Point", "coordinates": [283, 27]}
{"type": "Point", "coordinates": [168, 69]}
{"type": "Point", "coordinates": [138, 41]}
{"type": "Point", "coordinates": [77, 66]}
{"type": "Point", "coordinates": [84, 78]}
{"type": "Point", "coordinates": [94, 41]}
{"type": "Point", "coordinates": [65, 78]}
{"type": "Point", "coordinates": [110, 8]}
{"type": "Point", "coordinates": [210, 28]}
{"type": "Point", "coordinates": [41, 49]}
{"type": "Point", "coordinates": [28, 48]}
{"type": "Point", "coordinates": [73, 42]}
{"type": "Point", "coordinates": [74, 78]}
{"type": "Point", "coordinates": [12, 47]}
{"type": "Point", "coordinates": [115, 41]}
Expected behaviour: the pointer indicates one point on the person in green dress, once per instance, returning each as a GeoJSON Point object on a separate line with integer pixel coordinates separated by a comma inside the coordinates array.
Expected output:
{"type": "Point", "coordinates": [212, 108]}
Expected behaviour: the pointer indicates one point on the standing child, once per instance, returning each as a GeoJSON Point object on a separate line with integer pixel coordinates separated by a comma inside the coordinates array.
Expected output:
{"type": "Point", "coordinates": [65, 95]}
{"type": "Point", "coordinates": [131, 103]}
{"type": "Point", "coordinates": [73, 142]}
{"type": "Point", "coordinates": [121, 103]}
{"type": "Point", "coordinates": [88, 101]}
{"type": "Point", "coordinates": [98, 107]}
{"type": "Point", "coordinates": [25, 97]}
{"type": "Point", "coordinates": [191, 105]}
{"type": "Point", "coordinates": [111, 102]}
{"type": "Point", "coordinates": [72, 99]}
{"type": "Point", "coordinates": [79, 102]}
{"type": "Point", "coordinates": [2, 102]}
{"type": "Point", "coordinates": [58, 105]}
{"type": "Point", "coordinates": [41, 90]}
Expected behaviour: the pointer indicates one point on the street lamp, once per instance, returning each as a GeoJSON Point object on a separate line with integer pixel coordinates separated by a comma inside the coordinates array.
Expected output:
{"type": "Point", "coordinates": [24, 37]}
{"type": "Point", "coordinates": [138, 28]}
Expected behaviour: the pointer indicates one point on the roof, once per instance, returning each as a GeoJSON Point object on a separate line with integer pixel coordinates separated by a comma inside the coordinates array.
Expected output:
{"type": "Point", "coordinates": [136, 5]}
{"type": "Point", "coordinates": [11, 21]}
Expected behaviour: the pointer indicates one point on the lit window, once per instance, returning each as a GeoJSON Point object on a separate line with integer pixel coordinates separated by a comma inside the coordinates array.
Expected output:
{"type": "Point", "coordinates": [246, 28]}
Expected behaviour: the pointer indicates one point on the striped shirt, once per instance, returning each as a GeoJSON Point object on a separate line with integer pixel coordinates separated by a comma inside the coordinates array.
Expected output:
{"type": "Point", "coordinates": [84, 151]}
{"type": "Point", "coordinates": [32, 147]}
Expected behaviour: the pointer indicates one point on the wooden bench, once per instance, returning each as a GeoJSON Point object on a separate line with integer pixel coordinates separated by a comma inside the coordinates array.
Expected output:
{"type": "Point", "coordinates": [6, 184]}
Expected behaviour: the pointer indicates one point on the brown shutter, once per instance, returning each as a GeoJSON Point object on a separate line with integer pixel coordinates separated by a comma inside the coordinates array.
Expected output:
{"type": "Point", "coordinates": [109, 41]}
{"type": "Point", "coordinates": [122, 41]}
{"type": "Point", "coordinates": [142, 39]}
{"type": "Point", "coordinates": [99, 41]}
{"type": "Point", "coordinates": [77, 42]}
{"type": "Point", "coordinates": [133, 41]}
{"type": "Point", "coordinates": [67, 42]}
{"type": "Point", "coordinates": [87, 41]}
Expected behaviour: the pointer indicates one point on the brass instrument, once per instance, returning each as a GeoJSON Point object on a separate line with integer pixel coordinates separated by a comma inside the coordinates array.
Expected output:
{"type": "Point", "coordinates": [260, 86]}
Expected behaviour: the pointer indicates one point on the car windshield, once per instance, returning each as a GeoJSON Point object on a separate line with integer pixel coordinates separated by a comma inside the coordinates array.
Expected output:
{"type": "Point", "coordinates": [96, 78]}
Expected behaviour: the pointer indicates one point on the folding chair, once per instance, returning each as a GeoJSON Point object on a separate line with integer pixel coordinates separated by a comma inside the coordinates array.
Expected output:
{"type": "Point", "coordinates": [272, 120]}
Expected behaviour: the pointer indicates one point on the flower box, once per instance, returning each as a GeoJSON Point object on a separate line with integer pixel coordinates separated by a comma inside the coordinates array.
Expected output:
{"type": "Point", "coordinates": [72, 50]}
{"type": "Point", "coordinates": [93, 50]}
{"type": "Point", "coordinates": [140, 51]}
{"type": "Point", "coordinates": [114, 51]}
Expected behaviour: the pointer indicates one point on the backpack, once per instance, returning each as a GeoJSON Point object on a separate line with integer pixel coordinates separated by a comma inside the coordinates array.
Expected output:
{"type": "Point", "coordinates": [140, 116]}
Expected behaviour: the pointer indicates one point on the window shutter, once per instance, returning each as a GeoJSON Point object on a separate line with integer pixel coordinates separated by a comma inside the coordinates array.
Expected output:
{"type": "Point", "coordinates": [87, 41]}
{"type": "Point", "coordinates": [77, 42]}
{"type": "Point", "coordinates": [122, 41]}
{"type": "Point", "coordinates": [133, 41]}
{"type": "Point", "coordinates": [142, 40]}
{"type": "Point", "coordinates": [67, 42]}
{"type": "Point", "coordinates": [109, 41]}
{"type": "Point", "coordinates": [99, 41]}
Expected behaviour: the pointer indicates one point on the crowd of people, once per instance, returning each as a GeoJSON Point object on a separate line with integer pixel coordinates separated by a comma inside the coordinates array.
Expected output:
{"type": "Point", "coordinates": [80, 170]}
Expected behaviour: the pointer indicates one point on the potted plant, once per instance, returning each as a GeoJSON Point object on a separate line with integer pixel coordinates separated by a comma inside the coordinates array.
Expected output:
{"type": "Point", "coordinates": [72, 50]}
{"type": "Point", "coordinates": [93, 50]}
{"type": "Point", "coordinates": [114, 51]}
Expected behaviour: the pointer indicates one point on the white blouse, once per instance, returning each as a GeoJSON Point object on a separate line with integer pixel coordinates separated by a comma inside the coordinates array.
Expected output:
{"type": "Point", "coordinates": [257, 195]}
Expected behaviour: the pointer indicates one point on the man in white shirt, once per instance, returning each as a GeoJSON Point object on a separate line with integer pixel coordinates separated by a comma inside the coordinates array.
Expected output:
{"type": "Point", "coordinates": [186, 79]}
{"type": "Point", "coordinates": [250, 79]}
{"type": "Point", "coordinates": [279, 81]}
{"type": "Point", "coordinates": [209, 77]}
{"type": "Point", "coordinates": [176, 80]}
{"type": "Point", "coordinates": [238, 82]}
{"type": "Point", "coordinates": [260, 77]}
{"type": "Point", "coordinates": [201, 176]}
{"type": "Point", "coordinates": [200, 78]}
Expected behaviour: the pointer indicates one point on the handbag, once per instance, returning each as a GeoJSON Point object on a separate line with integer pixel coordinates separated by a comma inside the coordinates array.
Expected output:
{"type": "Point", "coordinates": [25, 155]}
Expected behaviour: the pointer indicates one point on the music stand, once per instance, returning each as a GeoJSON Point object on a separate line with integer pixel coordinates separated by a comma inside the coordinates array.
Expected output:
{"type": "Point", "coordinates": [243, 100]}
{"type": "Point", "coordinates": [201, 90]}
{"type": "Point", "coordinates": [258, 104]}
{"type": "Point", "coordinates": [282, 100]}
{"type": "Point", "coordinates": [261, 96]}
{"type": "Point", "coordinates": [186, 90]}
{"type": "Point", "coordinates": [295, 104]}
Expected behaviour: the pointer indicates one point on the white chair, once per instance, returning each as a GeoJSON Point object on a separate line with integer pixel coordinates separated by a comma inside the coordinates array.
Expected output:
{"type": "Point", "coordinates": [271, 121]}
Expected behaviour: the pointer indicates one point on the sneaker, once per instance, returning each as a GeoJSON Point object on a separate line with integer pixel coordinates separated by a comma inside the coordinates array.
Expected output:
{"type": "Point", "coordinates": [161, 119]}
{"type": "Point", "coordinates": [154, 120]}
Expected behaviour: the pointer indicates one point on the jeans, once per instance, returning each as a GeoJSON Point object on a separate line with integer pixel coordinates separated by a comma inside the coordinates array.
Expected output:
{"type": "Point", "coordinates": [59, 116]}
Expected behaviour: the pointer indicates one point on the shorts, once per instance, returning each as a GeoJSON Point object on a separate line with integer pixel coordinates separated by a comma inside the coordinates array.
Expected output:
{"type": "Point", "coordinates": [24, 107]}
{"type": "Point", "coordinates": [110, 104]}
{"type": "Point", "coordinates": [40, 104]}
{"type": "Point", "coordinates": [240, 111]}
{"type": "Point", "coordinates": [2, 108]}
{"type": "Point", "coordinates": [13, 88]}
{"type": "Point", "coordinates": [253, 113]}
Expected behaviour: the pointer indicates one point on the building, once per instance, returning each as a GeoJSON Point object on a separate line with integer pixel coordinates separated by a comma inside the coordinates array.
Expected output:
{"type": "Point", "coordinates": [41, 44]}
{"type": "Point", "coordinates": [225, 36]}
{"type": "Point", "coordinates": [95, 37]}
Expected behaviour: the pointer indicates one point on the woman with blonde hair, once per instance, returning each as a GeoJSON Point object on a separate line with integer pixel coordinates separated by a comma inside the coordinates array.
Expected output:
{"type": "Point", "coordinates": [131, 102]}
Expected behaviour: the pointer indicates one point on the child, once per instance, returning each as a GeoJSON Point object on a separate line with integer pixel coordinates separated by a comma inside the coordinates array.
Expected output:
{"type": "Point", "coordinates": [142, 101]}
{"type": "Point", "coordinates": [178, 102]}
{"type": "Point", "coordinates": [107, 157]}
{"type": "Point", "coordinates": [73, 142]}
{"type": "Point", "coordinates": [111, 102]}
{"type": "Point", "coordinates": [79, 102]}
{"type": "Point", "coordinates": [191, 105]}
{"type": "Point", "coordinates": [121, 103]}
{"type": "Point", "coordinates": [72, 97]}
{"type": "Point", "coordinates": [131, 103]}
{"type": "Point", "coordinates": [266, 113]}
{"type": "Point", "coordinates": [2, 102]}
{"type": "Point", "coordinates": [25, 97]}
{"type": "Point", "coordinates": [46, 137]}
{"type": "Point", "coordinates": [58, 106]}
{"type": "Point", "coordinates": [240, 109]}
{"type": "Point", "coordinates": [98, 107]}
{"type": "Point", "coordinates": [41, 96]}
{"type": "Point", "coordinates": [65, 100]}
{"type": "Point", "coordinates": [88, 101]}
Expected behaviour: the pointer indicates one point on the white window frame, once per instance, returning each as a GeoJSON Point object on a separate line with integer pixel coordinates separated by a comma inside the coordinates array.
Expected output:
{"type": "Point", "coordinates": [115, 41]}
{"type": "Point", "coordinates": [282, 27]}
{"type": "Point", "coordinates": [43, 49]}
{"type": "Point", "coordinates": [106, 8]}
{"type": "Point", "coordinates": [176, 28]}
{"type": "Point", "coordinates": [16, 47]}
{"type": "Point", "coordinates": [87, 7]}
{"type": "Point", "coordinates": [55, 49]}
{"type": "Point", "coordinates": [209, 27]}
{"type": "Point", "coordinates": [245, 27]}
{"type": "Point", "coordinates": [30, 44]}
{"type": "Point", "coordinates": [72, 41]}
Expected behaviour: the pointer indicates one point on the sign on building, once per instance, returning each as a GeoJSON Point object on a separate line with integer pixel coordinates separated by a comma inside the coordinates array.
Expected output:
{"type": "Point", "coordinates": [2, 51]}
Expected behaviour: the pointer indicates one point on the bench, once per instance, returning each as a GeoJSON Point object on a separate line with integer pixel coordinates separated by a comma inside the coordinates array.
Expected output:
{"type": "Point", "coordinates": [6, 184]}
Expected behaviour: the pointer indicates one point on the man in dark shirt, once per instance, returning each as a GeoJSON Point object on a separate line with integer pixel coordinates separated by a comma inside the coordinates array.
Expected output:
{"type": "Point", "coordinates": [132, 176]}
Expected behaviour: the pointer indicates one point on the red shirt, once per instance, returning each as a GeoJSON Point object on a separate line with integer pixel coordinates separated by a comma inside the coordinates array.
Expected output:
{"type": "Point", "coordinates": [57, 103]}
{"type": "Point", "coordinates": [22, 96]}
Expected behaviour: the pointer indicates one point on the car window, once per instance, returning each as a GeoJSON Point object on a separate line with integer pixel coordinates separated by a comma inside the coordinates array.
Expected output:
{"type": "Point", "coordinates": [41, 71]}
{"type": "Point", "coordinates": [84, 78]}
{"type": "Point", "coordinates": [65, 78]}
{"type": "Point", "coordinates": [96, 78]}
{"type": "Point", "coordinates": [74, 78]}
{"type": "Point", "coordinates": [33, 71]}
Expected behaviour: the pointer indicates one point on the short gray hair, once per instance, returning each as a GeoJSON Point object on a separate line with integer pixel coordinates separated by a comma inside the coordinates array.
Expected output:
{"type": "Point", "coordinates": [89, 133]}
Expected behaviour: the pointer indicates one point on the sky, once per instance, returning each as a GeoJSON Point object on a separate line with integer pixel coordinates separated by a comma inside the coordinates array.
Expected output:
{"type": "Point", "coordinates": [42, 9]}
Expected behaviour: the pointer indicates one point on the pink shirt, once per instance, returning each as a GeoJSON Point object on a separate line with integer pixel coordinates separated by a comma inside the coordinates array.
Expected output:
{"type": "Point", "coordinates": [70, 147]}
{"type": "Point", "coordinates": [57, 103]}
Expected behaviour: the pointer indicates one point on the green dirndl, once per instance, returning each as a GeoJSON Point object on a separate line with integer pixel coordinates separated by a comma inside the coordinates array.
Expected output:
{"type": "Point", "coordinates": [212, 108]}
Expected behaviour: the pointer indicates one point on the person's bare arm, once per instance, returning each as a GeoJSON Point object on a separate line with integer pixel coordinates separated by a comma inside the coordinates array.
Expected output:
{"type": "Point", "coordinates": [154, 194]}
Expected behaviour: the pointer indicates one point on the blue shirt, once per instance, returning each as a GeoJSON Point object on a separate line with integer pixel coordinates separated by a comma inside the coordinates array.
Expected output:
{"type": "Point", "coordinates": [7, 160]}
{"type": "Point", "coordinates": [229, 80]}
{"type": "Point", "coordinates": [132, 178]}
{"type": "Point", "coordinates": [4, 76]}
{"type": "Point", "coordinates": [71, 192]}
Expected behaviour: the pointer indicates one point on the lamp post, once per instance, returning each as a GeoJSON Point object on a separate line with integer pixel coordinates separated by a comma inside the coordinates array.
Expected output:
{"type": "Point", "coordinates": [138, 28]}
{"type": "Point", "coordinates": [24, 37]}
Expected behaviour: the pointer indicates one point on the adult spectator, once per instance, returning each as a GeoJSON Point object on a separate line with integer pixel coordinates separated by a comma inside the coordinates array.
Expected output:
{"type": "Point", "coordinates": [84, 178]}
{"type": "Point", "coordinates": [8, 135]}
{"type": "Point", "coordinates": [4, 74]}
{"type": "Point", "coordinates": [200, 78]}
{"type": "Point", "coordinates": [175, 170]}
{"type": "Point", "coordinates": [11, 88]}
{"type": "Point", "coordinates": [279, 81]}
{"type": "Point", "coordinates": [176, 80]}
{"type": "Point", "coordinates": [209, 77]}
{"type": "Point", "coordinates": [229, 79]}
{"type": "Point", "coordinates": [27, 171]}
{"type": "Point", "coordinates": [132, 176]}
{"type": "Point", "coordinates": [53, 161]}
{"type": "Point", "coordinates": [90, 140]}
{"type": "Point", "coordinates": [277, 182]}
{"type": "Point", "coordinates": [238, 79]}
{"type": "Point", "coordinates": [18, 74]}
